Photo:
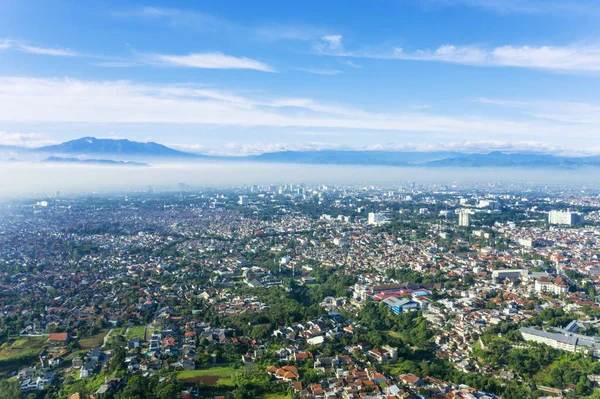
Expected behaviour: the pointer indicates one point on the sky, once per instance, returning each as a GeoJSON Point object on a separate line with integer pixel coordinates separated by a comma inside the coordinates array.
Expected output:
{"type": "Point", "coordinates": [245, 77]}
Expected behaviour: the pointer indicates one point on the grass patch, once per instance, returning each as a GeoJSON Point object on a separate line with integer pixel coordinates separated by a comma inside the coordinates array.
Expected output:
{"type": "Point", "coordinates": [135, 332]}
{"type": "Point", "coordinates": [29, 343]}
{"type": "Point", "coordinates": [394, 334]}
{"type": "Point", "coordinates": [93, 341]}
{"type": "Point", "coordinates": [275, 396]}
{"type": "Point", "coordinates": [211, 376]}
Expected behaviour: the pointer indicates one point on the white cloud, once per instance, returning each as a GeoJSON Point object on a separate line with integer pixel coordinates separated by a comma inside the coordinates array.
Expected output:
{"type": "Point", "coordinates": [466, 146]}
{"type": "Point", "coordinates": [523, 6]}
{"type": "Point", "coordinates": [330, 44]}
{"type": "Point", "coordinates": [210, 61]}
{"type": "Point", "coordinates": [351, 63]}
{"type": "Point", "coordinates": [24, 139]}
{"type": "Point", "coordinates": [572, 58]}
{"type": "Point", "coordinates": [318, 71]}
{"type": "Point", "coordinates": [5, 44]}
{"type": "Point", "coordinates": [120, 102]}
{"type": "Point", "coordinates": [288, 32]}
{"type": "Point", "coordinates": [46, 51]}
{"type": "Point", "coordinates": [177, 18]}
{"type": "Point", "coordinates": [25, 48]}
{"type": "Point", "coordinates": [559, 111]}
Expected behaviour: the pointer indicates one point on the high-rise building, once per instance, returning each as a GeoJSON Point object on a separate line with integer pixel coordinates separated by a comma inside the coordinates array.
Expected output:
{"type": "Point", "coordinates": [243, 200]}
{"type": "Point", "coordinates": [489, 204]}
{"type": "Point", "coordinates": [464, 219]}
{"type": "Point", "coordinates": [376, 218]}
{"type": "Point", "coordinates": [565, 217]}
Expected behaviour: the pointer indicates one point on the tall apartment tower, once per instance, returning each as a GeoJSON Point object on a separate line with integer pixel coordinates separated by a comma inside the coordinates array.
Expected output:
{"type": "Point", "coordinates": [565, 217]}
{"type": "Point", "coordinates": [464, 219]}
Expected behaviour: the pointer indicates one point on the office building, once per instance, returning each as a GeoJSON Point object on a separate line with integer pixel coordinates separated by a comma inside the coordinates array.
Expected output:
{"type": "Point", "coordinates": [565, 218]}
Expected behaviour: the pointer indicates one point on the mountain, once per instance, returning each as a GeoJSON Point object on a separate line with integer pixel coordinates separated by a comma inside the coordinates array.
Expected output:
{"type": "Point", "coordinates": [123, 148]}
{"type": "Point", "coordinates": [106, 162]}
{"type": "Point", "coordinates": [498, 159]}
{"type": "Point", "coordinates": [110, 150]}
{"type": "Point", "coordinates": [426, 159]}
{"type": "Point", "coordinates": [351, 157]}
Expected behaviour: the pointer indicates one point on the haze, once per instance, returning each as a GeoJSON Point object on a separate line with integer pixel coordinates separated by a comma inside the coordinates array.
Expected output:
{"type": "Point", "coordinates": [25, 179]}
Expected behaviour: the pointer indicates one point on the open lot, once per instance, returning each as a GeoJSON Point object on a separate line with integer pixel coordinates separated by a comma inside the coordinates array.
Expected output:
{"type": "Point", "coordinates": [94, 340]}
{"type": "Point", "coordinates": [20, 352]}
{"type": "Point", "coordinates": [135, 332]}
{"type": "Point", "coordinates": [211, 376]}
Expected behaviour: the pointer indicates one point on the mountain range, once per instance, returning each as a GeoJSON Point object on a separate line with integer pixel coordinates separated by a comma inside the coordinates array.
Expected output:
{"type": "Point", "coordinates": [133, 153]}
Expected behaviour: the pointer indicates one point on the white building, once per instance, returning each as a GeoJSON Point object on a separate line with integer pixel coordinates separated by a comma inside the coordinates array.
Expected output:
{"type": "Point", "coordinates": [243, 200]}
{"type": "Point", "coordinates": [565, 217]}
{"type": "Point", "coordinates": [376, 218]}
{"type": "Point", "coordinates": [557, 286]}
{"type": "Point", "coordinates": [464, 218]}
{"type": "Point", "coordinates": [565, 342]}
{"type": "Point", "coordinates": [489, 204]}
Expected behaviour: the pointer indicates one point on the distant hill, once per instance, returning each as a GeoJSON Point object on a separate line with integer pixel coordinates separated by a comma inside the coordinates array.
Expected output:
{"type": "Point", "coordinates": [499, 159]}
{"type": "Point", "coordinates": [123, 147]}
{"type": "Point", "coordinates": [426, 159]}
{"type": "Point", "coordinates": [111, 150]}
{"type": "Point", "coordinates": [351, 157]}
{"type": "Point", "coordinates": [107, 162]}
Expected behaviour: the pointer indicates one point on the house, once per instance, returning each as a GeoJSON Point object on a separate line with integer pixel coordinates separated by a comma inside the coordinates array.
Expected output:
{"type": "Point", "coordinates": [109, 388]}
{"type": "Point", "coordinates": [134, 343]}
{"type": "Point", "coordinates": [385, 354]}
{"type": "Point", "coordinates": [96, 354]}
{"type": "Point", "coordinates": [59, 338]}
{"type": "Point", "coordinates": [286, 373]}
{"type": "Point", "coordinates": [77, 362]}
{"type": "Point", "coordinates": [88, 369]}
{"type": "Point", "coordinates": [411, 380]}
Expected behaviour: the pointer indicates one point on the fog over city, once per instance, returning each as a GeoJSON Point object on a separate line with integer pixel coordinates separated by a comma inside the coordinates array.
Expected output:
{"type": "Point", "coordinates": [25, 179]}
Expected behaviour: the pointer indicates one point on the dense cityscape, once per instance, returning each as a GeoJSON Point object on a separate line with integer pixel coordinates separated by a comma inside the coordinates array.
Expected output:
{"type": "Point", "coordinates": [297, 291]}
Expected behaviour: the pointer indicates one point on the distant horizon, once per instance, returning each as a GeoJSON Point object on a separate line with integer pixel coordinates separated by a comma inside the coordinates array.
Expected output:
{"type": "Point", "coordinates": [222, 78]}
{"type": "Point", "coordinates": [459, 148]}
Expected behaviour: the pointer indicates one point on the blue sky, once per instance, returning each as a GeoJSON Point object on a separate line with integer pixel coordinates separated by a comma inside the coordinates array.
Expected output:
{"type": "Point", "coordinates": [245, 77]}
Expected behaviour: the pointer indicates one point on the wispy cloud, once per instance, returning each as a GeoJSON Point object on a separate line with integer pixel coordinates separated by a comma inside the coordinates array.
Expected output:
{"type": "Point", "coordinates": [521, 6]}
{"type": "Point", "coordinates": [210, 61]}
{"type": "Point", "coordinates": [176, 18]}
{"type": "Point", "coordinates": [330, 44]}
{"type": "Point", "coordinates": [319, 71]}
{"type": "Point", "coordinates": [289, 32]}
{"type": "Point", "coordinates": [29, 140]}
{"type": "Point", "coordinates": [351, 64]}
{"type": "Point", "coordinates": [573, 58]}
{"type": "Point", "coordinates": [58, 52]}
{"type": "Point", "coordinates": [115, 102]}
{"type": "Point", "coordinates": [7, 44]}
{"type": "Point", "coordinates": [465, 146]}
{"type": "Point", "coordinates": [116, 64]}
{"type": "Point", "coordinates": [579, 113]}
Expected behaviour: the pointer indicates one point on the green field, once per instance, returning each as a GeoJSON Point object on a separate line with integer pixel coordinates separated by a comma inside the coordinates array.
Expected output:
{"type": "Point", "coordinates": [394, 334]}
{"type": "Point", "coordinates": [275, 396]}
{"type": "Point", "coordinates": [212, 376]}
{"type": "Point", "coordinates": [20, 352]}
{"type": "Point", "coordinates": [135, 332]}
{"type": "Point", "coordinates": [94, 340]}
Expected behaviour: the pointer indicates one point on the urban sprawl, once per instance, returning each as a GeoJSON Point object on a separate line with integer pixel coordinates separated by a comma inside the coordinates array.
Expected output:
{"type": "Point", "coordinates": [299, 291]}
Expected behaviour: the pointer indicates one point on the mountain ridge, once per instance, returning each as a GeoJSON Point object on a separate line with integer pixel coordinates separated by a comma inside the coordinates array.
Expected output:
{"type": "Point", "coordinates": [123, 150]}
